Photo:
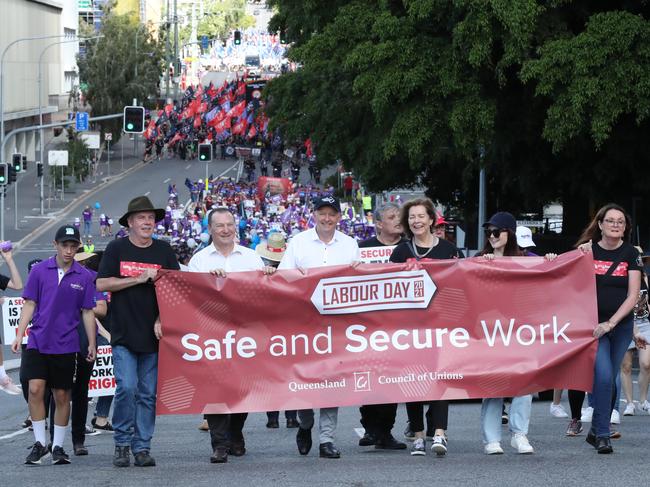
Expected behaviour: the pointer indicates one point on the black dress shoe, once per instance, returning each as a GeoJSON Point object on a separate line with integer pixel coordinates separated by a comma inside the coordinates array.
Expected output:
{"type": "Point", "coordinates": [328, 450]}
{"type": "Point", "coordinates": [604, 445]}
{"type": "Point", "coordinates": [389, 443]}
{"type": "Point", "coordinates": [80, 450]}
{"type": "Point", "coordinates": [591, 438]}
{"type": "Point", "coordinates": [303, 440]}
{"type": "Point", "coordinates": [368, 439]}
{"type": "Point", "coordinates": [220, 455]}
{"type": "Point", "coordinates": [272, 423]}
{"type": "Point", "coordinates": [293, 423]}
{"type": "Point", "coordinates": [237, 448]}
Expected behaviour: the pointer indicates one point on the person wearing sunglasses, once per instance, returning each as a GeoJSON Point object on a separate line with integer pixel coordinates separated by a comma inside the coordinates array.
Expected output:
{"type": "Point", "coordinates": [501, 241]}
{"type": "Point", "coordinates": [617, 266]}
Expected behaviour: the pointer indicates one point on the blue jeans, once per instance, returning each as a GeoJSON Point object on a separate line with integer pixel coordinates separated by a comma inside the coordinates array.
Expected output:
{"type": "Point", "coordinates": [134, 407]}
{"type": "Point", "coordinates": [519, 417]}
{"type": "Point", "coordinates": [611, 350]}
{"type": "Point", "coordinates": [87, 227]}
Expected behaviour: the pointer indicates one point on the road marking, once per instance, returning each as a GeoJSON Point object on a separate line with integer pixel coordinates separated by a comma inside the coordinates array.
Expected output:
{"type": "Point", "coordinates": [360, 432]}
{"type": "Point", "coordinates": [167, 180]}
{"type": "Point", "coordinates": [188, 166]}
{"type": "Point", "coordinates": [147, 193]}
{"type": "Point", "coordinates": [15, 433]}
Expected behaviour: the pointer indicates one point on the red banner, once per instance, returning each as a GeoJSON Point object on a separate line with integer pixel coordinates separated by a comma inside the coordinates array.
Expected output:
{"type": "Point", "coordinates": [273, 186]}
{"type": "Point", "coordinates": [379, 333]}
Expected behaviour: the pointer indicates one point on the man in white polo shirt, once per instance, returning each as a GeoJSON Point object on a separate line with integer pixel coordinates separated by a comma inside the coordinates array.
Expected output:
{"type": "Point", "coordinates": [223, 255]}
{"type": "Point", "coordinates": [321, 246]}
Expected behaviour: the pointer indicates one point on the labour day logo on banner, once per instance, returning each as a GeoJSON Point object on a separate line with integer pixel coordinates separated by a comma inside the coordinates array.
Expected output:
{"type": "Point", "coordinates": [357, 294]}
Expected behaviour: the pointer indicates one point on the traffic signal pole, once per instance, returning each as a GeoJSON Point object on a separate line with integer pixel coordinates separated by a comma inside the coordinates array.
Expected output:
{"type": "Point", "coordinates": [32, 129]}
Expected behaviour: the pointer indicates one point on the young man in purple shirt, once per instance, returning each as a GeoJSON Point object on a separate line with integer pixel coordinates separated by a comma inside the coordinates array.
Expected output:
{"type": "Point", "coordinates": [58, 290]}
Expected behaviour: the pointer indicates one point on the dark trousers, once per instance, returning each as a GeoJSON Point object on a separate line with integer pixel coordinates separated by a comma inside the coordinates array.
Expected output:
{"type": "Point", "coordinates": [378, 419]}
{"type": "Point", "coordinates": [275, 415]}
{"type": "Point", "coordinates": [436, 416]}
{"type": "Point", "coordinates": [226, 428]}
{"type": "Point", "coordinates": [79, 399]}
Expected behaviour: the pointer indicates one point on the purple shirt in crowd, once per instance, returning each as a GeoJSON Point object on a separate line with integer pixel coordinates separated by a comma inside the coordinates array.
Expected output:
{"type": "Point", "coordinates": [88, 215]}
{"type": "Point", "coordinates": [58, 306]}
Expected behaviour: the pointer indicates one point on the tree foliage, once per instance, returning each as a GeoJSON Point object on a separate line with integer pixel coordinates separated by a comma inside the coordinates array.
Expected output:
{"type": "Point", "coordinates": [550, 97]}
{"type": "Point", "coordinates": [109, 68]}
{"type": "Point", "coordinates": [219, 19]}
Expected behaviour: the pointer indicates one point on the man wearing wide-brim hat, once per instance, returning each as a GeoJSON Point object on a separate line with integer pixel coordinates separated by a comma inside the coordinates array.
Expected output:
{"type": "Point", "coordinates": [273, 248]}
{"type": "Point", "coordinates": [128, 269]}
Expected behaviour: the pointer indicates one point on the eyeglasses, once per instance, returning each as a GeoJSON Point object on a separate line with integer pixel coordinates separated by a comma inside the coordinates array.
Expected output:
{"type": "Point", "coordinates": [495, 232]}
{"type": "Point", "coordinates": [615, 223]}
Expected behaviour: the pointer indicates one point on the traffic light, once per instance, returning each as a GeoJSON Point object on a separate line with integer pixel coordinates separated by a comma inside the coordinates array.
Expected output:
{"type": "Point", "coordinates": [4, 174]}
{"type": "Point", "coordinates": [11, 176]}
{"type": "Point", "coordinates": [237, 38]}
{"type": "Point", "coordinates": [133, 120]}
{"type": "Point", "coordinates": [205, 152]}
{"type": "Point", "coordinates": [39, 169]}
{"type": "Point", "coordinates": [17, 162]}
{"type": "Point", "coordinates": [24, 163]}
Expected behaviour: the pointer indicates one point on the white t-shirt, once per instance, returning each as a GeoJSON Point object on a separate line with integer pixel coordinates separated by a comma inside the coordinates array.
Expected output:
{"type": "Point", "coordinates": [239, 260]}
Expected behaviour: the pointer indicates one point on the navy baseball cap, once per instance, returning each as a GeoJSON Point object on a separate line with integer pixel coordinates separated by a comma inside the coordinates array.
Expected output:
{"type": "Point", "coordinates": [67, 233]}
{"type": "Point", "coordinates": [327, 201]}
{"type": "Point", "coordinates": [502, 219]}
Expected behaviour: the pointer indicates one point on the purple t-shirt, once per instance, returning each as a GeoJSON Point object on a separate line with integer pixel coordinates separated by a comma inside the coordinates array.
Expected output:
{"type": "Point", "coordinates": [58, 306]}
{"type": "Point", "coordinates": [88, 215]}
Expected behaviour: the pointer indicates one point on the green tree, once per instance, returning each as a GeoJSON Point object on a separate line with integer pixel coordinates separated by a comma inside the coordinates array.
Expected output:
{"type": "Point", "coordinates": [550, 97]}
{"type": "Point", "coordinates": [219, 19]}
{"type": "Point", "coordinates": [109, 68]}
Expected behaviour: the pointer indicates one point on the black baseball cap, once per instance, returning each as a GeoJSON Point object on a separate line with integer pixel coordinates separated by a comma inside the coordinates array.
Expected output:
{"type": "Point", "coordinates": [327, 201]}
{"type": "Point", "coordinates": [67, 233]}
{"type": "Point", "coordinates": [502, 220]}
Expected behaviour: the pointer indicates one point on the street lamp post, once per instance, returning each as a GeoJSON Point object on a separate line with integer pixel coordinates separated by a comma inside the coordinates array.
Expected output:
{"type": "Point", "coordinates": [2, 60]}
{"type": "Point", "coordinates": [40, 114]}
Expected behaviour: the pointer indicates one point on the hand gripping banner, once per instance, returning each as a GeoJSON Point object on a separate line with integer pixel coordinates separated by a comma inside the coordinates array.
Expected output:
{"type": "Point", "coordinates": [377, 333]}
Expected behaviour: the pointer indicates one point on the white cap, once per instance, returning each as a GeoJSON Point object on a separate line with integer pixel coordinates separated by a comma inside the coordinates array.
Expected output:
{"type": "Point", "coordinates": [525, 237]}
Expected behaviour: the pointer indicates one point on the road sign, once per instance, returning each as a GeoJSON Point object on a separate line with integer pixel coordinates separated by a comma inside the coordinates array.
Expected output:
{"type": "Point", "coordinates": [108, 136]}
{"type": "Point", "coordinates": [91, 139]}
{"type": "Point", "coordinates": [81, 122]}
{"type": "Point", "coordinates": [204, 42]}
{"type": "Point", "coordinates": [57, 158]}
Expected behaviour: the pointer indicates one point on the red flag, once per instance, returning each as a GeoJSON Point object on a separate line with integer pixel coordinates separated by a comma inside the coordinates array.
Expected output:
{"type": "Point", "coordinates": [168, 109]}
{"type": "Point", "coordinates": [203, 107]}
{"type": "Point", "coordinates": [238, 109]}
{"type": "Point", "coordinates": [197, 121]}
{"type": "Point", "coordinates": [241, 89]}
{"type": "Point", "coordinates": [223, 125]}
{"type": "Point", "coordinates": [175, 139]}
{"type": "Point", "coordinates": [152, 125]}
{"type": "Point", "coordinates": [308, 147]}
{"type": "Point", "coordinates": [252, 132]}
{"type": "Point", "coordinates": [240, 127]}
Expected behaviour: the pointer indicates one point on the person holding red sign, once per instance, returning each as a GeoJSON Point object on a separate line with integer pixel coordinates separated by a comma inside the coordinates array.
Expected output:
{"type": "Point", "coordinates": [220, 258]}
{"type": "Point", "coordinates": [14, 281]}
{"type": "Point", "coordinates": [418, 219]}
{"type": "Point", "coordinates": [617, 265]}
{"type": "Point", "coordinates": [320, 246]}
{"type": "Point", "coordinates": [127, 270]}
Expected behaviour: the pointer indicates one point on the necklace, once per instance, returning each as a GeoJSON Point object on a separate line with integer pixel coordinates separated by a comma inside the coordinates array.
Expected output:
{"type": "Point", "coordinates": [418, 254]}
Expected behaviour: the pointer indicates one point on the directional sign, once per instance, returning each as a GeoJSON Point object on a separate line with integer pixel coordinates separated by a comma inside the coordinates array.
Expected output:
{"type": "Point", "coordinates": [204, 42]}
{"type": "Point", "coordinates": [81, 122]}
{"type": "Point", "coordinates": [108, 136]}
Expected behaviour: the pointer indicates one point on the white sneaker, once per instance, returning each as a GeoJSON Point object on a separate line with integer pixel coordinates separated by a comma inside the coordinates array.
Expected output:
{"type": "Point", "coordinates": [9, 387]}
{"type": "Point", "coordinates": [629, 409]}
{"type": "Point", "coordinates": [493, 448]}
{"type": "Point", "coordinates": [587, 414]}
{"type": "Point", "coordinates": [615, 418]}
{"type": "Point", "coordinates": [557, 411]}
{"type": "Point", "coordinates": [645, 407]}
{"type": "Point", "coordinates": [520, 443]}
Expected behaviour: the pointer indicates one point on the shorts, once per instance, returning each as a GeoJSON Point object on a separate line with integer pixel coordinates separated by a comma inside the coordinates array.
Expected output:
{"type": "Point", "coordinates": [58, 370]}
{"type": "Point", "coordinates": [644, 329]}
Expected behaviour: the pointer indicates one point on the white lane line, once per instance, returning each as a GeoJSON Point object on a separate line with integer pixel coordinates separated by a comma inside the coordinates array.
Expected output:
{"type": "Point", "coordinates": [15, 433]}
{"type": "Point", "coordinates": [147, 193]}
{"type": "Point", "coordinates": [188, 166]}
{"type": "Point", "coordinates": [360, 432]}
{"type": "Point", "coordinates": [167, 180]}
